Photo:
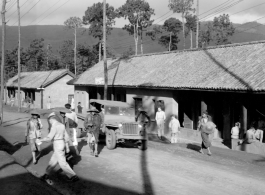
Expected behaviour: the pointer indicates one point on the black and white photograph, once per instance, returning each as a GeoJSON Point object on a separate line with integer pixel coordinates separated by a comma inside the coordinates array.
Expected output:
{"type": "Point", "coordinates": [132, 97]}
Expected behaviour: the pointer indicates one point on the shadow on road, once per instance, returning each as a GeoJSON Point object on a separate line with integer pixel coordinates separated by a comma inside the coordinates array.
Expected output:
{"type": "Point", "coordinates": [15, 119]}
{"type": "Point", "coordinates": [15, 123]}
{"type": "Point", "coordinates": [147, 183]}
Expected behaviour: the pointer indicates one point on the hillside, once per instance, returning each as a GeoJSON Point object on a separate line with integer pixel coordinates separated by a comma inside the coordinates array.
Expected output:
{"type": "Point", "coordinates": [119, 40]}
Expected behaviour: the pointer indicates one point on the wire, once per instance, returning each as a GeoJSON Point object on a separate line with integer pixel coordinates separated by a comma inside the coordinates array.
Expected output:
{"type": "Point", "coordinates": [11, 5]}
{"type": "Point", "coordinates": [131, 42]}
{"type": "Point", "coordinates": [220, 10]}
{"type": "Point", "coordinates": [44, 12]}
{"type": "Point", "coordinates": [53, 11]}
{"type": "Point", "coordinates": [16, 10]}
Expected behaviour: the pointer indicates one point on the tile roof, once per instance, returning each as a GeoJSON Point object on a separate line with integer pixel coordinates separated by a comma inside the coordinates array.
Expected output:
{"type": "Point", "coordinates": [228, 67]}
{"type": "Point", "coordinates": [37, 79]}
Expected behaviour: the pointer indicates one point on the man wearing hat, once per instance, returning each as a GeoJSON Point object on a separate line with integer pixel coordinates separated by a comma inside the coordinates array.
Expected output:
{"type": "Point", "coordinates": [33, 132]}
{"type": "Point", "coordinates": [59, 137]}
{"type": "Point", "coordinates": [92, 124]}
{"type": "Point", "coordinates": [142, 117]}
{"type": "Point", "coordinates": [61, 117]}
{"type": "Point", "coordinates": [73, 123]}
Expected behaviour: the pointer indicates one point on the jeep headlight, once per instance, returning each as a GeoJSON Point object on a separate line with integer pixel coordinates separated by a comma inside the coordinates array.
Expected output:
{"type": "Point", "coordinates": [140, 126]}
{"type": "Point", "coordinates": [120, 125]}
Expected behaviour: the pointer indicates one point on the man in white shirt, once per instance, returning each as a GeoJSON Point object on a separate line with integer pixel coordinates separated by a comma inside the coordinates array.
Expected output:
{"type": "Point", "coordinates": [58, 136]}
{"type": "Point", "coordinates": [73, 127]}
{"type": "Point", "coordinates": [160, 121]}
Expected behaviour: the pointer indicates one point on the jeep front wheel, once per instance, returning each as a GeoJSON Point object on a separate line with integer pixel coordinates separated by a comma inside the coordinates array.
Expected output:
{"type": "Point", "coordinates": [142, 145]}
{"type": "Point", "coordinates": [110, 139]}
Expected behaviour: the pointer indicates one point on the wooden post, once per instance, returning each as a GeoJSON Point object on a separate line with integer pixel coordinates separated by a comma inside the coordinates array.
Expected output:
{"type": "Point", "coordinates": [104, 52]}
{"type": "Point", "coordinates": [18, 56]}
{"type": "Point", "coordinates": [75, 50]}
{"type": "Point", "coordinates": [3, 57]}
{"type": "Point", "coordinates": [197, 34]}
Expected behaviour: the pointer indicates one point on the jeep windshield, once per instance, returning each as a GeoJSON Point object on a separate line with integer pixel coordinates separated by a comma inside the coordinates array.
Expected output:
{"type": "Point", "coordinates": [110, 110]}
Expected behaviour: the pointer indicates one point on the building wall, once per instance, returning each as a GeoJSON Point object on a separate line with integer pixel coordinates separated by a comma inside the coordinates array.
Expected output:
{"type": "Point", "coordinates": [58, 91]}
{"type": "Point", "coordinates": [149, 97]}
{"type": "Point", "coordinates": [82, 95]}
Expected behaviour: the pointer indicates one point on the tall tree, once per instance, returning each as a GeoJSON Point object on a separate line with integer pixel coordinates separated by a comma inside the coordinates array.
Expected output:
{"type": "Point", "coordinates": [74, 23]}
{"type": "Point", "coordinates": [86, 57]}
{"type": "Point", "coordinates": [183, 7]}
{"type": "Point", "coordinates": [223, 29]}
{"type": "Point", "coordinates": [205, 36]}
{"type": "Point", "coordinates": [173, 26]}
{"type": "Point", "coordinates": [67, 55]}
{"type": "Point", "coordinates": [139, 13]}
{"type": "Point", "coordinates": [191, 26]}
{"type": "Point", "coordinates": [94, 18]}
{"type": "Point", "coordinates": [36, 55]}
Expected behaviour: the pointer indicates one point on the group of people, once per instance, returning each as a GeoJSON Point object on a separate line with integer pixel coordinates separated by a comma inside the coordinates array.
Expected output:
{"type": "Point", "coordinates": [174, 125]}
{"type": "Point", "coordinates": [253, 134]}
{"type": "Point", "coordinates": [63, 133]}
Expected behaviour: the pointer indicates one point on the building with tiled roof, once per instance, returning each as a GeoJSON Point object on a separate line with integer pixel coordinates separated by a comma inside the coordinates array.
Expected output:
{"type": "Point", "coordinates": [39, 85]}
{"type": "Point", "coordinates": [228, 81]}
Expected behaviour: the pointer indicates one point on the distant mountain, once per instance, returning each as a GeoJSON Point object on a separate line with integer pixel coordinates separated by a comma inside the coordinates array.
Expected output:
{"type": "Point", "coordinates": [119, 40]}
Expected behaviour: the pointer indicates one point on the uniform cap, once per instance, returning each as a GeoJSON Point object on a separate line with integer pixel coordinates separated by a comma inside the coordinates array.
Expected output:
{"type": "Point", "coordinates": [34, 112]}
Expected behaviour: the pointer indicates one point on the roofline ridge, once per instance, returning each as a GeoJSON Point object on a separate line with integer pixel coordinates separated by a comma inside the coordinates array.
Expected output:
{"type": "Point", "coordinates": [199, 49]}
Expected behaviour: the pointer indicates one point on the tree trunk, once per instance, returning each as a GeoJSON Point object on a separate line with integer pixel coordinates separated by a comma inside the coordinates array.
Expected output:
{"type": "Point", "coordinates": [3, 57]}
{"type": "Point", "coordinates": [136, 39]}
{"type": "Point", "coordinates": [191, 45]}
{"type": "Point", "coordinates": [36, 64]}
{"type": "Point", "coordinates": [99, 51]}
{"type": "Point", "coordinates": [183, 26]}
{"type": "Point", "coordinates": [75, 52]}
{"type": "Point", "coordinates": [142, 51]}
{"type": "Point", "coordinates": [170, 41]}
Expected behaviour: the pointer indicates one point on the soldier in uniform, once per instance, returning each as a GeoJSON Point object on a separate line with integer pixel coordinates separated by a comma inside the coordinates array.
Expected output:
{"type": "Point", "coordinates": [92, 124]}
{"type": "Point", "coordinates": [73, 123]}
{"type": "Point", "coordinates": [33, 132]}
{"type": "Point", "coordinates": [58, 136]}
{"type": "Point", "coordinates": [142, 117]}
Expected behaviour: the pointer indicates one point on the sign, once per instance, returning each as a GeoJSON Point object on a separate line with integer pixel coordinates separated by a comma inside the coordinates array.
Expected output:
{"type": "Point", "coordinates": [99, 81]}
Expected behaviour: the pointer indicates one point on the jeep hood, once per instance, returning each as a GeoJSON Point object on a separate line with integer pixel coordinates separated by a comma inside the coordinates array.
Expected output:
{"type": "Point", "coordinates": [115, 120]}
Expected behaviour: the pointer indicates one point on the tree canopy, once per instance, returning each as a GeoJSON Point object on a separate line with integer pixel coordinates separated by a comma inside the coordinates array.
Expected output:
{"type": "Point", "coordinates": [139, 13]}
{"type": "Point", "coordinates": [94, 18]}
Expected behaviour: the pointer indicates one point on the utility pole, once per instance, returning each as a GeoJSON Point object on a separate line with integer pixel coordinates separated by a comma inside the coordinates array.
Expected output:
{"type": "Point", "coordinates": [18, 56]}
{"type": "Point", "coordinates": [197, 33]}
{"type": "Point", "coordinates": [3, 12]}
{"type": "Point", "coordinates": [104, 52]}
{"type": "Point", "coordinates": [75, 49]}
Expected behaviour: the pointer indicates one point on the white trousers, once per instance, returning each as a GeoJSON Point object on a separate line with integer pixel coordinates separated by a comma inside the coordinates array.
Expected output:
{"type": "Point", "coordinates": [174, 138]}
{"type": "Point", "coordinates": [58, 157]}
{"type": "Point", "coordinates": [74, 138]}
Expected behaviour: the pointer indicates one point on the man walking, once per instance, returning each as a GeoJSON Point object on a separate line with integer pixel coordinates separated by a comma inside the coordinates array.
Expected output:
{"type": "Point", "coordinates": [33, 132]}
{"type": "Point", "coordinates": [49, 102]}
{"type": "Point", "coordinates": [92, 124]}
{"type": "Point", "coordinates": [160, 121]}
{"type": "Point", "coordinates": [59, 136]}
{"type": "Point", "coordinates": [73, 123]}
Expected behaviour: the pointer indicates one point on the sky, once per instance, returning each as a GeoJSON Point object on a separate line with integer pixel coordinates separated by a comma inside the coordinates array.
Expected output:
{"type": "Point", "coordinates": [55, 12]}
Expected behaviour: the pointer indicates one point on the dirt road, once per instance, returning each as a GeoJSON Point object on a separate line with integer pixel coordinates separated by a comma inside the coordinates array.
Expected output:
{"type": "Point", "coordinates": [162, 169]}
